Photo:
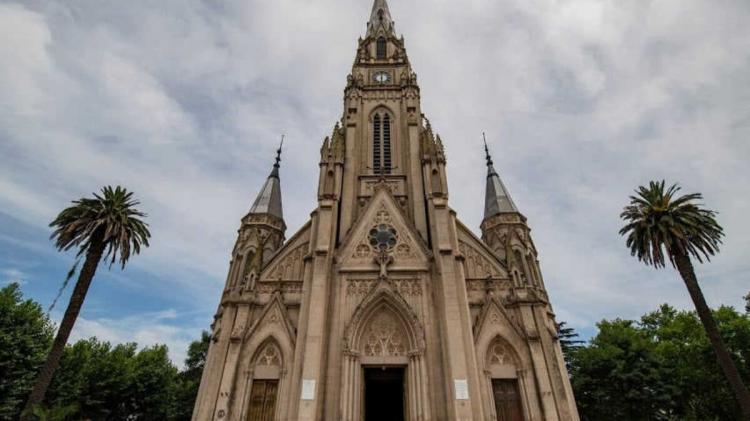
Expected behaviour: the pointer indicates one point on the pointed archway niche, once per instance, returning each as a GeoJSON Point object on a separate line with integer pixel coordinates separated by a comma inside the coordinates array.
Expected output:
{"type": "Point", "coordinates": [384, 332]}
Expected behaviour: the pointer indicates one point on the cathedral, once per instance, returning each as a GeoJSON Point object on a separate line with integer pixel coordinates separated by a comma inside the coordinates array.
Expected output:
{"type": "Point", "coordinates": [384, 306]}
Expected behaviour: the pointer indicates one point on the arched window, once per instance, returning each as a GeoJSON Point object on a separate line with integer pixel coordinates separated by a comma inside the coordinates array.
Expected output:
{"type": "Point", "coordinates": [381, 144]}
{"type": "Point", "coordinates": [380, 49]}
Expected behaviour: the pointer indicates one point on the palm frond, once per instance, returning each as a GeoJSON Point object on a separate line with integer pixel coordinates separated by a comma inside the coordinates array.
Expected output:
{"type": "Point", "coordinates": [68, 277]}
{"type": "Point", "coordinates": [660, 224]}
{"type": "Point", "coordinates": [109, 218]}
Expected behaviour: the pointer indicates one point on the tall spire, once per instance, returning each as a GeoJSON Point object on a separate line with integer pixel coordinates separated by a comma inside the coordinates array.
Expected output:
{"type": "Point", "coordinates": [497, 199]}
{"type": "Point", "coordinates": [269, 198]}
{"type": "Point", "coordinates": [380, 15]}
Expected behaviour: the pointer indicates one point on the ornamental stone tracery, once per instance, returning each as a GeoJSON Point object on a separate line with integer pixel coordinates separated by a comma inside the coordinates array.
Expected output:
{"type": "Point", "coordinates": [270, 355]}
{"type": "Point", "coordinates": [500, 353]}
{"type": "Point", "coordinates": [384, 337]}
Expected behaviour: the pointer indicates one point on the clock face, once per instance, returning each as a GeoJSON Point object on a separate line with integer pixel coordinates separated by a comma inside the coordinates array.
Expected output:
{"type": "Point", "coordinates": [381, 77]}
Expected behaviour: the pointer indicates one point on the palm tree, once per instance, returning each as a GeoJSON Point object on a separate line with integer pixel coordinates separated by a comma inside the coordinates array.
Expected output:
{"type": "Point", "coordinates": [662, 226]}
{"type": "Point", "coordinates": [107, 225]}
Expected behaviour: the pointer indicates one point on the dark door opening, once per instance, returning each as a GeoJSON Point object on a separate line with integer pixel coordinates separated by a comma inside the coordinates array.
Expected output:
{"type": "Point", "coordinates": [507, 400]}
{"type": "Point", "coordinates": [384, 393]}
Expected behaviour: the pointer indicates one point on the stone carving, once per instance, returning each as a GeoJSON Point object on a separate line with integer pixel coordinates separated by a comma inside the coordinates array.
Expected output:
{"type": "Point", "coordinates": [290, 267]}
{"type": "Point", "coordinates": [384, 337]}
{"type": "Point", "coordinates": [359, 287]}
{"type": "Point", "coordinates": [383, 259]}
{"type": "Point", "coordinates": [270, 355]}
{"type": "Point", "coordinates": [394, 187]}
{"type": "Point", "coordinates": [500, 353]}
{"type": "Point", "coordinates": [362, 251]}
{"type": "Point", "coordinates": [404, 251]}
{"type": "Point", "coordinates": [477, 265]}
{"type": "Point", "coordinates": [396, 245]}
{"type": "Point", "coordinates": [287, 287]}
{"type": "Point", "coordinates": [482, 284]}
{"type": "Point", "coordinates": [405, 287]}
{"type": "Point", "coordinates": [494, 318]}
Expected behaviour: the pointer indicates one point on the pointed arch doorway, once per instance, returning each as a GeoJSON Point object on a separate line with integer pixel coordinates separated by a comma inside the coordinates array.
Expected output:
{"type": "Point", "coordinates": [384, 393]}
{"type": "Point", "coordinates": [384, 373]}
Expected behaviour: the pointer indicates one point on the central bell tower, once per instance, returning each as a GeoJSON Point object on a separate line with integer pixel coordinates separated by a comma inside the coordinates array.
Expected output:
{"type": "Point", "coordinates": [382, 126]}
{"type": "Point", "coordinates": [384, 305]}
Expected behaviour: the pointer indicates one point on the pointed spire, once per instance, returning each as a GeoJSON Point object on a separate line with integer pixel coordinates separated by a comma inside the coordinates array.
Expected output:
{"type": "Point", "coordinates": [497, 199]}
{"type": "Point", "coordinates": [380, 15]}
{"type": "Point", "coordinates": [269, 198]}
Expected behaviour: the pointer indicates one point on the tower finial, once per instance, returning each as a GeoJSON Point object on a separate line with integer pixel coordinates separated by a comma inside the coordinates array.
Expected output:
{"type": "Point", "coordinates": [496, 199]}
{"type": "Point", "coordinates": [486, 151]}
{"type": "Point", "coordinates": [278, 153]}
{"type": "Point", "coordinates": [380, 16]}
{"type": "Point", "coordinates": [269, 198]}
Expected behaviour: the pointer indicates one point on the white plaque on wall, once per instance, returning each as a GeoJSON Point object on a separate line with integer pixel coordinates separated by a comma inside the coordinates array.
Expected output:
{"type": "Point", "coordinates": [308, 389]}
{"type": "Point", "coordinates": [462, 389]}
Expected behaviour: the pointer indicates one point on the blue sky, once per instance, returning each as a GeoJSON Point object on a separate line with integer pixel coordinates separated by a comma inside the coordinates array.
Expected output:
{"type": "Point", "coordinates": [184, 102]}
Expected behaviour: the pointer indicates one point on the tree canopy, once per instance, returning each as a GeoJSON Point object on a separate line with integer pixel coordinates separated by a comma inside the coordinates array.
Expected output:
{"type": "Point", "coordinates": [25, 337]}
{"type": "Point", "coordinates": [96, 380]}
{"type": "Point", "coordinates": [661, 367]}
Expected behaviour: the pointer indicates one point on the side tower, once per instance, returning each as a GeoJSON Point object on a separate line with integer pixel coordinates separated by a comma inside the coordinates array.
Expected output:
{"type": "Point", "coordinates": [260, 235]}
{"type": "Point", "coordinates": [505, 231]}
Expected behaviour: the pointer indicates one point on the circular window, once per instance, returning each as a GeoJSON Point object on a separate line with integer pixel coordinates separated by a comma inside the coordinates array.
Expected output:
{"type": "Point", "coordinates": [383, 237]}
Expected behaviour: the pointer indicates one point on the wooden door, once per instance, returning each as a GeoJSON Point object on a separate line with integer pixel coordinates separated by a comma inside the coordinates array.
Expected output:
{"type": "Point", "coordinates": [263, 400]}
{"type": "Point", "coordinates": [507, 400]}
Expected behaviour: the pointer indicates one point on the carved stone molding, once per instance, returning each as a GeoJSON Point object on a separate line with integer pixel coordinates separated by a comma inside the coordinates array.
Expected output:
{"type": "Point", "coordinates": [404, 287]}
{"type": "Point", "coordinates": [286, 287]}
{"type": "Point", "coordinates": [384, 336]}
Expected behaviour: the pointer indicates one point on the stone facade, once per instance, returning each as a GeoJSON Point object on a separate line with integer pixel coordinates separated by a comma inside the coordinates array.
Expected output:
{"type": "Point", "coordinates": [383, 275]}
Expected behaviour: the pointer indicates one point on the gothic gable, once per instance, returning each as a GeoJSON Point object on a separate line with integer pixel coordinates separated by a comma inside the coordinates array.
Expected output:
{"type": "Point", "coordinates": [359, 248]}
{"type": "Point", "coordinates": [479, 261]}
{"type": "Point", "coordinates": [384, 325]}
{"type": "Point", "coordinates": [288, 263]}
{"type": "Point", "coordinates": [275, 318]}
{"type": "Point", "coordinates": [493, 316]}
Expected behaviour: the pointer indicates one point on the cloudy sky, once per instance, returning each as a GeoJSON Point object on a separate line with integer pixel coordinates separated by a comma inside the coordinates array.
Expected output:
{"type": "Point", "coordinates": [184, 102]}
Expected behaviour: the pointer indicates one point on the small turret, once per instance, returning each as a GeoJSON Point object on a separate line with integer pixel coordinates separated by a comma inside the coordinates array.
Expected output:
{"type": "Point", "coordinates": [505, 231]}
{"type": "Point", "coordinates": [262, 230]}
{"type": "Point", "coordinates": [497, 199]}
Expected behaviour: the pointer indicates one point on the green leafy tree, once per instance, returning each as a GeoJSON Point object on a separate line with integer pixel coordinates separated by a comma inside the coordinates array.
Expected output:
{"type": "Point", "coordinates": [661, 367]}
{"type": "Point", "coordinates": [108, 226]}
{"type": "Point", "coordinates": [660, 227]}
{"type": "Point", "coordinates": [97, 377]}
{"type": "Point", "coordinates": [153, 384]}
{"type": "Point", "coordinates": [617, 377]}
{"type": "Point", "coordinates": [59, 413]}
{"type": "Point", "coordinates": [25, 336]}
{"type": "Point", "coordinates": [189, 379]}
{"type": "Point", "coordinates": [115, 382]}
{"type": "Point", "coordinates": [569, 342]}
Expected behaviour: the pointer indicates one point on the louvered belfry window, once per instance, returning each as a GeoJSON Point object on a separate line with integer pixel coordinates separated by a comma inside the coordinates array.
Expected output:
{"type": "Point", "coordinates": [380, 48]}
{"type": "Point", "coordinates": [381, 144]}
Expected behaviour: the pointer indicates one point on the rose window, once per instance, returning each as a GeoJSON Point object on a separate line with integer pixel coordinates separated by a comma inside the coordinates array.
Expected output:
{"type": "Point", "coordinates": [383, 237]}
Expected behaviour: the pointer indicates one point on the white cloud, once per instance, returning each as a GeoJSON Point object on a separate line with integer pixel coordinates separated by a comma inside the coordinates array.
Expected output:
{"type": "Point", "coordinates": [183, 102]}
{"type": "Point", "coordinates": [13, 275]}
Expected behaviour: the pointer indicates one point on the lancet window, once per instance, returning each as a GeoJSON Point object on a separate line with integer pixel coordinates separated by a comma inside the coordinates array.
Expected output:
{"type": "Point", "coordinates": [381, 144]}
{"type": "Point", "coordinates": [380, 48]}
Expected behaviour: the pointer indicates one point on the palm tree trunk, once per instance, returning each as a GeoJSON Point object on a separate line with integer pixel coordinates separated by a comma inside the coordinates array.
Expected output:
{"type": "Point", "coordinates": [93, 256]}
{"type": "Point", "coordinates": [685, 267]}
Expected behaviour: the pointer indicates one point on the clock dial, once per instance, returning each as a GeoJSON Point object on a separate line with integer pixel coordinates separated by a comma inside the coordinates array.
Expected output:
{"type": "Point", "coordinates": [382, 78]}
